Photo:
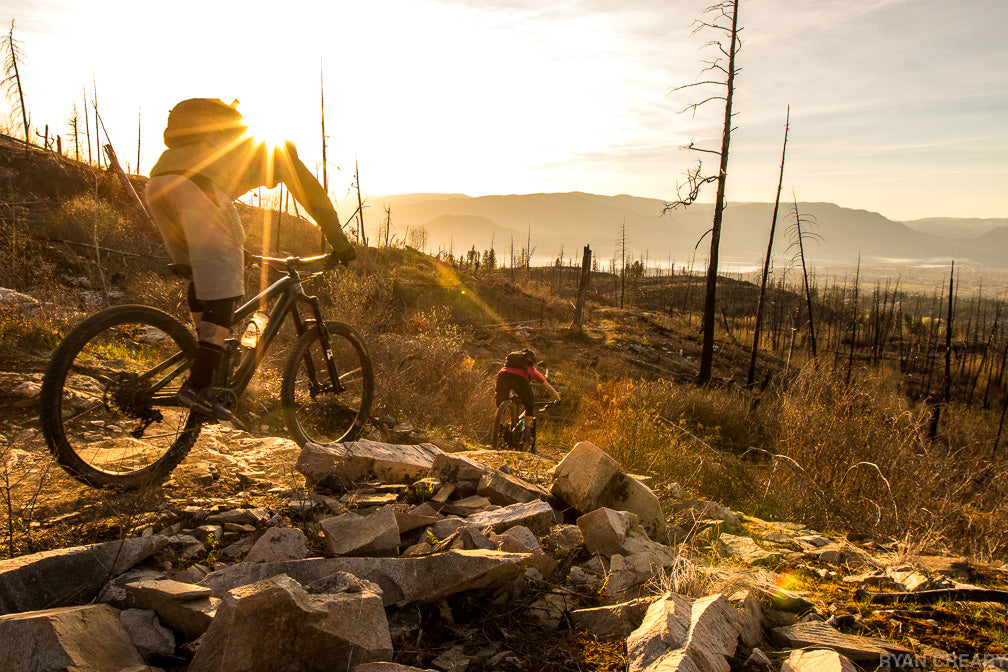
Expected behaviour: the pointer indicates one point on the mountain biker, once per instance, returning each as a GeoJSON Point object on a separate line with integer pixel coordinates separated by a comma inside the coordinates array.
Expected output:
{"type": "Point", "coordinates": [211, 160]}
{"type": "Point", "coordinates": [518, 373]}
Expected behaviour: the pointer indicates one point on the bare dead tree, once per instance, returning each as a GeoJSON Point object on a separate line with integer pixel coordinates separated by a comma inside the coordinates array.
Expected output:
{"type": "Point", "coordinates": [798, 238]}
{"type": "Point", "coordinates": [139, 111]}
{"type": "Point", "coordinates": [12, 79]}
{"type": "Point", "coordinates": [854, 319]}
{"type": "Point", "coordinates": [388, 224]}
{"type": "Point", "coordinates": [73, 121]}
{"type": "Point", "coordinates": [325, 173]}
{"type": "Point", "coordinates": [360, 206]}
{"type": "Point", "coordinates": [722, 19]}
{"type": "Point", "coordinates": [623, 255]}
{"type": "Point", "coordinates": [751, 377]}
{"type": "Point", "coordinates": [87, 127]}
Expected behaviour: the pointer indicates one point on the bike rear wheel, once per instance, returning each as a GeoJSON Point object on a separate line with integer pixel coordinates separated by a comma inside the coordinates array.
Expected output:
{"type": "Point", "coordinates": [107, 404]}
{"type": "Point", "coordinates": [319, 407]}
{"type": "Point", "coordinates": [505, 436]}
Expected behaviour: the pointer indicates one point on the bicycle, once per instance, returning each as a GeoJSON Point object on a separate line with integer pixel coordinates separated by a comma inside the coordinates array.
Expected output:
{"type": "Point", "coordinates": [509, 425]}
{"type": "Point", "coordinates": [108, 407]}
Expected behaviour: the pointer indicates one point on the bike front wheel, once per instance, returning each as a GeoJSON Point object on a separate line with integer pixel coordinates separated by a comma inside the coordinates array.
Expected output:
{"type": "Point", "coordinates": [107, 404]}
{"type": "Point", "coordinates": [505, 436]}
{"type": "Point", "coordinates": [326, 405]}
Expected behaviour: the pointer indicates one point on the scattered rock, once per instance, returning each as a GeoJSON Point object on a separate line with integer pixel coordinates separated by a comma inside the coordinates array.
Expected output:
{"type": "Point", "coordinates": [354, 534]}
{"type": "Point", "coordinates": [186, 608]}
{"type": "Point", "coordinates": [537, 516]}
{"type": "Point", "coordinates": [89, 637]}
{"type": "Point", "coordinates": [68, 576]}
{"type": "Point", "coordinates": [149, 637]}
{"type": "Point", "coordinates": [337, 464]}
{"type": "Point", "coordinates": [746, 550]}
{"type": "Point", "coordinates": [303, 631]}
{"type": "Point", "coordinates": [278, 544]}
{"type": "Point", "coordinates": [679, 633]}
{"type": "Point", "coordinates": [820, 635]}
{"type": "Point", "coordinates": [611, 623]}
{"type": "Point", "coordinates": [588, 479]}
{"type": "Point", "coordinates": [818, 660]}
{"type": "Point", "coordinates": [402, 580]}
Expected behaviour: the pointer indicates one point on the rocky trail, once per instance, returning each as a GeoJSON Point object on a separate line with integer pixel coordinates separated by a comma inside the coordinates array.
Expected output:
{"type": "Point", "coordinates": [369, 556]}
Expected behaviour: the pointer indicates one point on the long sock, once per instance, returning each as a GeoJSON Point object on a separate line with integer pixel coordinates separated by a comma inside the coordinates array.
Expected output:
{"type": "Point", "coordinates": [205, 361]}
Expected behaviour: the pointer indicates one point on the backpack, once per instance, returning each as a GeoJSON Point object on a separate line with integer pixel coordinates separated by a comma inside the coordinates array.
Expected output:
{"type": "Point", "coordinates": [518, 360]}
{"type": "Point", "coordinates": [202, 120]}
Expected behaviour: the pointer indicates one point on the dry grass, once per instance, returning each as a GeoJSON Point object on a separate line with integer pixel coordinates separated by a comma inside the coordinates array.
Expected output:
{"type": "Point", "coordinates": [818, 450]}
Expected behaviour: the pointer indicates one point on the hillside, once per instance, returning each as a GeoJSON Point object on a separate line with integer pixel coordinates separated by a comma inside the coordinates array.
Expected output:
{"type": "Point", "coordinates": [786, 506]}
{"type": "Point", "coordinates": [956, 227]}
{"type": "Point", "coordinates": [568, 221]}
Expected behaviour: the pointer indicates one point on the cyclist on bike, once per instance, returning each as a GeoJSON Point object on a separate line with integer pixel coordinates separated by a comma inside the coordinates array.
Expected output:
{"type": "Point", "coordinates": [211, 160]}
{"type": "Point", "coordinates": [518, 373]}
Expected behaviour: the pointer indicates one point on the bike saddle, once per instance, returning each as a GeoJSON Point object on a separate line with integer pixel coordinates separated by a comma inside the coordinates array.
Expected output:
{"type": "Point", "coordinates": [183, 271]}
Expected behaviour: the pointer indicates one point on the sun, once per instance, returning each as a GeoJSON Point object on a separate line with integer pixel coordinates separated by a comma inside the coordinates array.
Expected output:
{"type": "Point", "coordinates": [266, 123]}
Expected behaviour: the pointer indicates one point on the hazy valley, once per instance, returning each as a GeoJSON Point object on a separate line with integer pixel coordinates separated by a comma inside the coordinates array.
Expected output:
{"type": "Point", "coordinates": [567, 221]}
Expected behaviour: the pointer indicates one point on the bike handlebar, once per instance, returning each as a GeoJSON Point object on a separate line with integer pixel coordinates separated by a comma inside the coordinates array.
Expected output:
{"type": "Point", "coordinates": [315, 264]}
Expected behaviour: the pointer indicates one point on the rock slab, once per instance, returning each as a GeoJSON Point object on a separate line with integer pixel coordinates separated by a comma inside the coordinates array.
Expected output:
{"type": "Point", "coordinates": [89, 637]}
{"type": "Point", "coordinates": [69, 576]}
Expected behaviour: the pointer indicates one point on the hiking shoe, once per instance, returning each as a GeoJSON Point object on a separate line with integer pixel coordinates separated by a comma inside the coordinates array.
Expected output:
{"type": "Point", "coordinates": [203, 401]}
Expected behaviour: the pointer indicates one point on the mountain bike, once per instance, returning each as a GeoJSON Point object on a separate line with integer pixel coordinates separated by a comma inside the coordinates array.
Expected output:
{"type": "Point", "coordinates": [509, 425]}
{"type": "Point", "coordinates": [108, 408]}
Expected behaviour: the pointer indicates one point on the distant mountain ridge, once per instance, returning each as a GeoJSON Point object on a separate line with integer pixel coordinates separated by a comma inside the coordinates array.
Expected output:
{"type": "Point", "coordinates": [567, 221]}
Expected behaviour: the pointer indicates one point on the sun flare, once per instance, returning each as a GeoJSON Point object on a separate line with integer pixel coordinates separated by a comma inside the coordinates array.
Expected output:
{"type": "Point", "coordinates": [266, 124]}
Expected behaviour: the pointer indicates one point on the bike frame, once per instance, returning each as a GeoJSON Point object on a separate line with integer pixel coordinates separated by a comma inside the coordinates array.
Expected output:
{"type": "Point", "coordinates": [288, 293]}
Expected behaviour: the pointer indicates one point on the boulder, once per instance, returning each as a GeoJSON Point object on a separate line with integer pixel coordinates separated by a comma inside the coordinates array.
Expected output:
{"type": "Point", "coordinates": [517, 539]}
{"type": "Point", "coordinates": [69, 576]}
{"type": "Point", "coordinates": [504, 489]}
{"type": "Point", "coordinates": [336, 464]}
{"type": "Point", "coordinates": [750, 622]}
{"type": "Point", "coordinates": [746, 550]}
{"type": "Point", "coordinates": [253, 517]}
{"type": "Point", "coordinates": [89, 637]}
{"type": "Point", "coordinates": [457, 469]}
{"type": "Point", "coordinates": [588, 479]}
{"type": "Point", "coordinates": [278, 544]}
{"type": "Point", "coordinates": [628, 573]}
{"type": "Point", "coordinates": [149, 637]}
{"type": "Point", "coordinates": [819, 635]}
{"type": "Point", "coordinates": [466, 506]}
{"type": "Point", "coordinates": [419, 516]}
{"type": "Point", "coordinates": [679, 633]}
{"type": "Point", "coordinates": [402, 580]}
{"type": "Point", "coordinates": [536, 515]}
{"type": "Point", "coordinates": [614, 622]}
{"type": "Point", "coordinates": [818, 660]}
{"type": "Point", "coordinates": [184, 607]}
{"type": "Point", "coordinates": [354, 534]}
{"type": "Point", "coordinates": [605, 530]}
{"type": "Point", "coordinates": [302, 631]}
{"type": "Point", "coordinates": [565, 539]}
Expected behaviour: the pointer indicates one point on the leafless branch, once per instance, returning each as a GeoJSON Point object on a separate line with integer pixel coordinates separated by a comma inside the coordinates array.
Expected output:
{"type": "Point", "coordinates": [692, 147]}
{"type": "Point", "coordinates": [694, 106]}
{"type": "Point", "coordinates": [695, 181]}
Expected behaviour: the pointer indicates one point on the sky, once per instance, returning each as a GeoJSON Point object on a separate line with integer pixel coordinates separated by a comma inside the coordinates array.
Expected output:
{"type": "Point", "coordinates": [896, 106]}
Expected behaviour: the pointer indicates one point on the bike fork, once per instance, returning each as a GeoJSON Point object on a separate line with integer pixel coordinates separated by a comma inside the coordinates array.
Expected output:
{"type": "Point", "coordinates": [327, 353]}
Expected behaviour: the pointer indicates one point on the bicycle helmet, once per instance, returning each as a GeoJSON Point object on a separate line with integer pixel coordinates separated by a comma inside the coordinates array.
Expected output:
{"type": "Point", "coordinates": [530, 357]}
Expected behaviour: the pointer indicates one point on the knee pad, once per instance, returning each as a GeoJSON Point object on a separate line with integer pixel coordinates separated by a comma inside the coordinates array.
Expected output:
{"type": "Point", "coordinates": [219, 311]}
{"type": "Point", "coordinates": [195, 305]}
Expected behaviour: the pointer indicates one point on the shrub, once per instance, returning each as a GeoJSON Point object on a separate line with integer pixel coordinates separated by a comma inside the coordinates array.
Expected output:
{"type": "Point", "coordinates": [88, 219]}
